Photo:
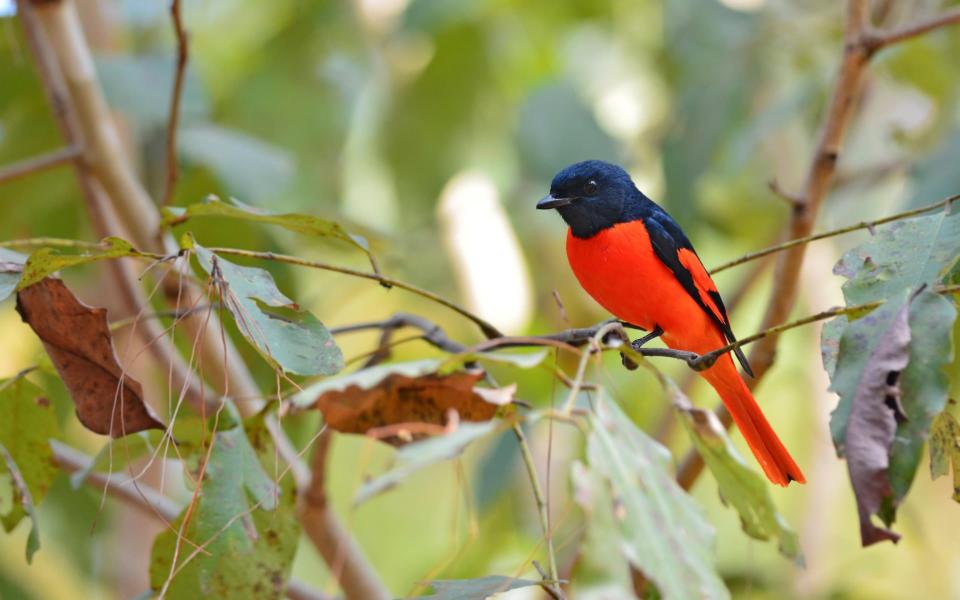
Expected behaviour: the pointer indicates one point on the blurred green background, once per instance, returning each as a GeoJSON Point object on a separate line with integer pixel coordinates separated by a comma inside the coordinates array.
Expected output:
{"type": "Point", "coordinates": [433, 126]}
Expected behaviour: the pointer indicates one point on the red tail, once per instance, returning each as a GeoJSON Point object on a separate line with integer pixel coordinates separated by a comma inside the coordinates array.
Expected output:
{"type": "Point", "coordinates": [762, 439]}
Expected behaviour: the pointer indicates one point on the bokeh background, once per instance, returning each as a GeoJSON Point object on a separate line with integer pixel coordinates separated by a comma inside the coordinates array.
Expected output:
{"type": "Point", "coordinates": [433, 126]}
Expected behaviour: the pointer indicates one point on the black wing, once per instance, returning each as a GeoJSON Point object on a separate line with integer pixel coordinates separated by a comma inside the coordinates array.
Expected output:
{"type": "Point", "coordinates": [667, 239]}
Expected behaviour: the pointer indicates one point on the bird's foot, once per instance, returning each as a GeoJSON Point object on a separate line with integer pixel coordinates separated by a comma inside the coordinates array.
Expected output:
{"type": "Point", "coordinates": [638, 343]}
{"type": "Point", "coordinates": [629, 363]}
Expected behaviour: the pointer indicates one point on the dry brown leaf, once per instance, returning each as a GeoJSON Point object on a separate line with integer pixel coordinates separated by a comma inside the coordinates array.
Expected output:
{"type": "Point", "coordinates": [77, 338]}
{"type": "Point", "coordinates": [411, 407]}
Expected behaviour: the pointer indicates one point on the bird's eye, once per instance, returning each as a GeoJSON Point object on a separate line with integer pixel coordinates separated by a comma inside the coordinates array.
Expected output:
{"type": "Point", "coordinates": [590, 187]}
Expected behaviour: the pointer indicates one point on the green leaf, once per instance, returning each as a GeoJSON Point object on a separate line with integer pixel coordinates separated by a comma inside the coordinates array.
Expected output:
{"type": "Point", "coordinates": [246, 522]}
{"type": "Point", "coordinates": [741, 486]}
{"type": "Point", "coordinates": [923, 384]}
{"type": "Point", "coordinates": [883, 268]}
{"type": "Point", "coordinates": [903, 256]}
{"type": "Point", "coordinates": [945, 449]}
{"type": "Point", "coordinates": [47, 261]}
{"type": "Point", "coordinates": [419, 455]}
{"type": "Point", "coordinates": [11, 267]}
{"type": "Point", "coordinates": [299, 223]}
{"type": "Point", "coordinates": [24, 499]}
{"type": "Point", "coordinates": [28, 423]}
{"type": "Point", "coordinates": [471, 589]}
{"type": "Point", "coordinates": [865, 421]}
{"type": "Point", "coordinates": [662, 532]}
{"type": "Point", "coordinates": [289, 338]}
{"type": "Point", "coordinates": [830, 343]}
{"type": "Point", "coordinates": [597, 565]}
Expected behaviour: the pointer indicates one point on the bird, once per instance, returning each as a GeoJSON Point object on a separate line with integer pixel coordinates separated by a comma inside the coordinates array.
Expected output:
{"type": "Point", "coordinates": [633, 258]}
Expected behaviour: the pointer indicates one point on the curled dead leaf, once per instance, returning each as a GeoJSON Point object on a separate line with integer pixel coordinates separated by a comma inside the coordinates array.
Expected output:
{"type": "Point", "coordinates": [400, 409]}
{"type": "Point", "coordinates": [874, 414]}
{"type": "Point", "coordinates": [77, 338]}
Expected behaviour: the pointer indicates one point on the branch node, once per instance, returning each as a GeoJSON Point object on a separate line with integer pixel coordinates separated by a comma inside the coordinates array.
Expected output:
{"type": "Point", "coordinates": [794, 200]}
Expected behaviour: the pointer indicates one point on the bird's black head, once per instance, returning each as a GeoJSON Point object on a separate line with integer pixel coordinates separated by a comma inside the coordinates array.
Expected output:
{"type": "Point", "coordinates": [590, 196]}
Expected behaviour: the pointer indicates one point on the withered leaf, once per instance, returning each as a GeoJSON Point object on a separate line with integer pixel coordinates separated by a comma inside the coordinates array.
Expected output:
{"type": "Point", "coordinates": [874, 413]}
{"type": "Point", "coordinates": [77, 338]}
{"type": "Point", "coordinates": [401, 400]}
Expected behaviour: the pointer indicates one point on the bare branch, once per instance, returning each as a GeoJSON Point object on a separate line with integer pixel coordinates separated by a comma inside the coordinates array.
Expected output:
{"type": "Point", "coordinates": [876, 40]}
{"type": "Point", "coordinates": [432, 332]}
{"type": "Point", "coordinates": [39, 163]}
{"type": "Point", "coordinates": [354, 573]}
{"type": "Point", "coordinates": [176, 95]}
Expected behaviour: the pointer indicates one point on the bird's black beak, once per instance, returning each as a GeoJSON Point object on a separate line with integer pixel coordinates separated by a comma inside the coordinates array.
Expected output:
{"type": "Point", "coordinates": [549, 202]}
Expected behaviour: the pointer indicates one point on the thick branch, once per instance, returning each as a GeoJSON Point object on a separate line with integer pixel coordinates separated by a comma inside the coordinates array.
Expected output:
{"type": "Point", "coordinates": [100, 210]}
{"type": "Point", "coordinates": [60, 48]}
{"type": "Point", "coordinates": [841, 109]}
{"type": "Point", "coordinates": [355, 575]}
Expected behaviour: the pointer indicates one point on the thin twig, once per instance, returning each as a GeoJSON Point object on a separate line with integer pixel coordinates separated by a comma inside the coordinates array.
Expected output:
{"type": "Point", "coordinates": [488, 330]}
{"type": "Point", "coordinates": [39, 163]}
{"type": "Point", "coordinates": [175, 99]}
{"type": "Point", "coordinates": [832, 233]}
{"type": "Point", "coordinates": [547, 587]}
{"type": "Point", "coordinates": [876, 40]}
{"type": "Point", "coordinates": [541, 506]}
{"type": "Point", "coordinates": [432, 332]}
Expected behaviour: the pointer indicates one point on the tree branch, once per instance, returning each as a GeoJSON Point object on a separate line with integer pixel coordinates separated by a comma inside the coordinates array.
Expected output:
{"type": "Point", "coordinates": [355, 575]}
{"type": "Point", "coordinates": [876, 40]}
{"type": "Point", "coordinates": [488, 330]}
{"type": "Point", "coordinates": [126, 209]}
{"type": "Point", "coordinates": [176, 95]}
{"type": "Point", "coordinates": [843, 103]}
{"type": "Point", "coordinates": [100, 210]}
{"type": "Point", "coordinates": [832, 233]}
{"type": "Point", "coordinates": [39, 163]}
